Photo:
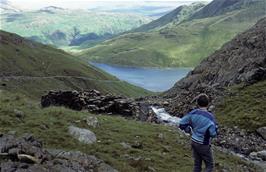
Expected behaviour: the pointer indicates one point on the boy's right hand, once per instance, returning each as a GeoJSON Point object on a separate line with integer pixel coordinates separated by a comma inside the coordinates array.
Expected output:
{"type": "Point", "coordinates": [188, 130]}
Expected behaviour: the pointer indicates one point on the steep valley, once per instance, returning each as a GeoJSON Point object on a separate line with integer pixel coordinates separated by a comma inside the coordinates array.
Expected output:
{"type": "Point", "coordinates": [60, 113]}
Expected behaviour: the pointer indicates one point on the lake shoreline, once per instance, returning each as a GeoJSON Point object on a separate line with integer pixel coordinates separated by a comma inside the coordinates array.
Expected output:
{"type": "Point", "coordinates": [141, 67]}
{"type": "Point", "coordinates": [152, 79]}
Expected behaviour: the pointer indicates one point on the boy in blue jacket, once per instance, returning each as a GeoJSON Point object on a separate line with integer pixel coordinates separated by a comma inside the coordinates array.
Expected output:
{"type": "Point", "coordinates": [202, 125]}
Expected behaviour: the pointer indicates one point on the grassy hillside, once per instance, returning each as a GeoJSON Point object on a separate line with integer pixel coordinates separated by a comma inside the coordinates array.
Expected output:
{"type": "Point", "coordinates": [33, 68]}
{"type": "Point", "coordinates": [163, 148]}
{"type": "Point", "coordinates": [183, 44]}
{"type": "Point", "coordinates": [63, 27]}
{"type": "Point", "coordinates": [244, 107]}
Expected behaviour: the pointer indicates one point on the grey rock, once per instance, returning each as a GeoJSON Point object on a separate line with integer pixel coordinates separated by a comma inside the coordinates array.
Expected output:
{"type": "Point", "coordinates": [161, 136]}
{"type": "Point", "coordinates": [13, 151]}
{"type": "Point", "coordinates": [12, 132]}
{"type": "Point", "coordinates": [262, 155]}
{"type": "Point", "coordinates": [92, 121]}
{"type": "Point", "coordinates": [27, 158]}
{"type": "Point", "coordinates": [262, 132]}
{"type": "Point", "coordinates": [137, 145]}
{"type": "Point", "coordinates": [165, 103]}
{"type": "Point", "coordinates": [19, 114]}
{"type": "Point", "coordinates": [254, 156]}
{"type": "Point", "coordinates": [151, 169]}
{"type": "Point", "coordinates": [255, 75]}
{"type": "Point", "coordinates": [125, 145]}
{"type": "Point", "coordinates": [103, 167]}
{"type": "Point", "coordinates": [83, 135]}
{"type": "Point", "coordinates": [44, 126]}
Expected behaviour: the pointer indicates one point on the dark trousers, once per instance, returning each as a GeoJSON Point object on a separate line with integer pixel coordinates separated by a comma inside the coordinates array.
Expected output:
{"type": "Point", "coordinates": [202, 153]}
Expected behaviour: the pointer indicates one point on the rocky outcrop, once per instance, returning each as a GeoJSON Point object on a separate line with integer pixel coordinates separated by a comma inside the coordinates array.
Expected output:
{"type": "Point", "coordinates": [27, 154]}
{"type": "Point", "coordinates": [239, 140]}
{"type": "Point", "coordinates": [92, 121]}
{"type": "Point", "coordinates": [242, 60]}
{"type": "Point", "coordinates": [92, 101]}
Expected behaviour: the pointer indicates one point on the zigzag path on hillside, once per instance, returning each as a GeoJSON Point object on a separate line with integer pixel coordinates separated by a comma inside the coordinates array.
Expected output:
{"type": "Point", "coordinates": [57, 77]}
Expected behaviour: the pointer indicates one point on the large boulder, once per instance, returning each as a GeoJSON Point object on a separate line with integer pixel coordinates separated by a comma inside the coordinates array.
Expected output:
{"type": "Point", "coordinates": [83, 135]}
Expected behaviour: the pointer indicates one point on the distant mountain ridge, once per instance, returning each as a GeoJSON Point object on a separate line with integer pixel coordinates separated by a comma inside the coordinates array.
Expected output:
{"type": "Point", "coordinates": [51, 9]}
{"type": "Point", "coordinates": [7, 7]}
{"type": "Point", "coordinates": [183, 43]}
{"type": "Point", "coordinates": [63, 27]}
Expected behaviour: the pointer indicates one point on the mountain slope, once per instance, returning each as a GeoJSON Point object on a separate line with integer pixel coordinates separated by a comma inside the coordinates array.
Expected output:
{"type": "Point", "coordinates": [33, 68]}
{"type": "Point", "coordinates": [219, 7]}
{"type": "Point", "coordinates": [234, 77]}
{"type": "Point", "coordinates": [216, 7]}
{"type": "Point", "coordinates": [176, 16]}
{"type": "Point", "coordinates": [183, 44]}
{"type": "Point", "coordinates": [244, 107]}
{"type": "Point", "coordinates": [64, 27]}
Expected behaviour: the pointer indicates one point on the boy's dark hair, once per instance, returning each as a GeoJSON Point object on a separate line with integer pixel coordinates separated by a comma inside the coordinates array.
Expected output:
{"type": "Point", "coordinates": [203, 100]}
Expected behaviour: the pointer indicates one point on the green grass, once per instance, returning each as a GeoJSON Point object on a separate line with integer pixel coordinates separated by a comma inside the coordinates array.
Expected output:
{"type": "Point", "coordinates": [184, 44]}
{"type": "Point", "coordinates": [35, 88]}
{"type": "Point", "coordinates": [244, 107]}
{"type": "Point", "coordinates": [35, 69]}
{"type": "Point", "coordinates": [172, 153]}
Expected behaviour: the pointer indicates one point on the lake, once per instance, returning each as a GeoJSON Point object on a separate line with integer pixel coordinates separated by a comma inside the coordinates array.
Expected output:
{"type": "Point", "coordinates": [153, 79]}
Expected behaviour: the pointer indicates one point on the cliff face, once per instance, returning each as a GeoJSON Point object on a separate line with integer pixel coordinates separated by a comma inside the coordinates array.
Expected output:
{"type": "Point", "coordinates": [242, 60]}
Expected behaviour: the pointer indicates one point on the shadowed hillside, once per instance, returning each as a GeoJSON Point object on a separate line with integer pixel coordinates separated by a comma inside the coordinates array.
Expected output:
{"type": "Point", "coordinates": [34, 68]}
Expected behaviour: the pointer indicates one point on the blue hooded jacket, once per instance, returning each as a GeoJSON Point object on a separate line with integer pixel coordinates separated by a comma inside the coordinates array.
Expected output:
{"type": "Point", "coordinates": [202, 124]}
